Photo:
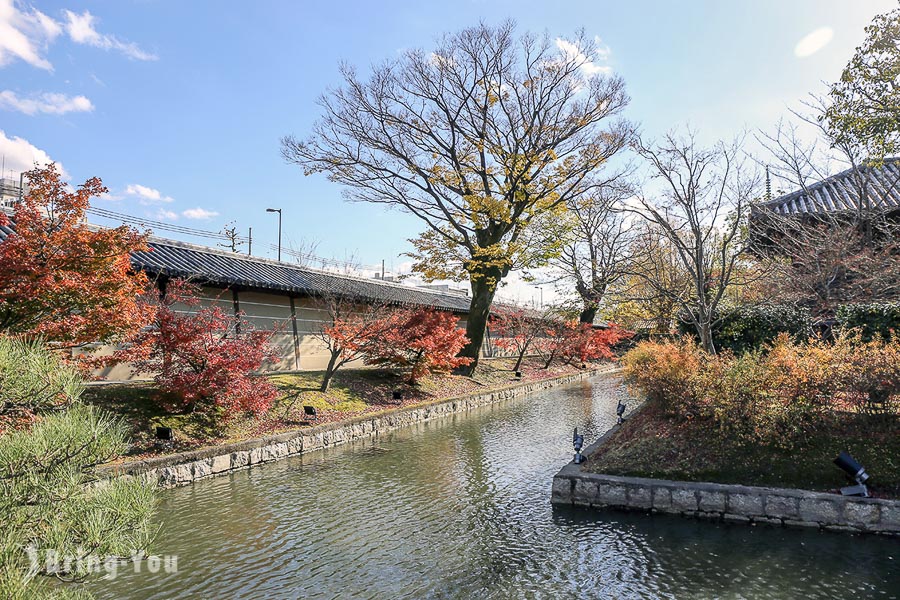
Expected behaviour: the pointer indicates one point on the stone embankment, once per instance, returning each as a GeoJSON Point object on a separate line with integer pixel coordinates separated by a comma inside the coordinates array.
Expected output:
{"type": "Point", "coordinates": [736, 503]}
{"type": "Point", "coordinates": [184, 468]}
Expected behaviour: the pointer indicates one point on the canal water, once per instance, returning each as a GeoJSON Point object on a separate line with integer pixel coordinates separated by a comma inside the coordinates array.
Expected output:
{"type": "Point", "coordinates": [460, 508]}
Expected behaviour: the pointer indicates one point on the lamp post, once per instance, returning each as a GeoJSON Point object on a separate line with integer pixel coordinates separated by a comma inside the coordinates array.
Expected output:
{"type": "Point", "coordinates": [278, 210]}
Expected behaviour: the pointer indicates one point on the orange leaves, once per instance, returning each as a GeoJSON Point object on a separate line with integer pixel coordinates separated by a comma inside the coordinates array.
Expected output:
{"type": "Point", "coordinates": [62, 279]}
{"type": "Point", "coordinates": [774, 396]}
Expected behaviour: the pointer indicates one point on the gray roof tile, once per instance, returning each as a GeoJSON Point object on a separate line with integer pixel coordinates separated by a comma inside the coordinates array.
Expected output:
{"type": "Point", "coordinates": [839, 193]}
{"type": "Point", "coordinates": [226, 269]}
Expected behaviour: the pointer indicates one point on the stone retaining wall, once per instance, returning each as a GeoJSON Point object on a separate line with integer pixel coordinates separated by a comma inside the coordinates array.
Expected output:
{"type": "Point", "coordinates": [183, 468]}
{"type": "Point", "coordinates": [737, 503]}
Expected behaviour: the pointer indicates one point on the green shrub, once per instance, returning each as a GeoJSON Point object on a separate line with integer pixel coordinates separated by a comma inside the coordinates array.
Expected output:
{"type": "Point", "coordinates": [872, 319]}
{"type": "Point", "coordinates": [747, 328]}
{"type": "Point", "coordinates": [33, 379]}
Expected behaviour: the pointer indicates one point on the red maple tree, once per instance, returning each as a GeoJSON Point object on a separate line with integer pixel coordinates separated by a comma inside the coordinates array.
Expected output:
{"type": "Point", "coordinates": [418, 341]}
{"type": "Point", "coordinates": [350, 329]}
{"type": "Point", "coordinates": [517, 330]}
{"type": "Point", "coordinates": [62, 279]}
{"type": "Point", "coordinates": [202, 357]}
{"type": "Point", "coordinates": [584, 343]}
{"type": "Point", "coordinates": [577, 343]}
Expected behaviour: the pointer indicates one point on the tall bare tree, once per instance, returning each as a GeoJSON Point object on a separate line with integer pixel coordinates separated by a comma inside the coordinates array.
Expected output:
{"type": "Point", "coordinates": [596, 254]}
{"type": "Point", "coordinates": [649, 293]}
{"type": "Point", "coordinates": [480, 138]}
{"type": "Point", "coordinates": [700, 209]}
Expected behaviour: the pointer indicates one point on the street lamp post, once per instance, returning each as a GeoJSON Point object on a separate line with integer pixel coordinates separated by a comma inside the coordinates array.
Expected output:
{"type": "Point", "coordinates": [278, 210]}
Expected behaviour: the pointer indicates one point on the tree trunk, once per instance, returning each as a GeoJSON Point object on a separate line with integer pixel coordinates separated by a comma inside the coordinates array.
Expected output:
{"type": "Point", "coordinates": [588, 314]}
{"type": "Point", "coordinates": [549, 361]}
{"type": "Point", "coordinates": [329, 373]}
{"type": "Point", "coordinates": [706, 337]}
{"type": "Point", "coordinates": [479, 310]}
{"type": "Point", "coordinates": [519, 359]}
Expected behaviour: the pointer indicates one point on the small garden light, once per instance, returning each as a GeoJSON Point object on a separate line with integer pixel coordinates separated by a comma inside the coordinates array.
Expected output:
{"type": "Point", "coordinates": [165, 437]}
{"type": "Point", "coordinates": [397, 395]}
{"type": "Point", "coordinates": [620, 410]}
{"type": "Point", "coordinates": [855, 471]}
{"type": "Point", "coordinates": [518, 374]}
{"type": "Point", "coordinates": [578, 443]}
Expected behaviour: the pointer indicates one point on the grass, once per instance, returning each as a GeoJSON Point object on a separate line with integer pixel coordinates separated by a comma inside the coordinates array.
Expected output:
{"type": "Point", "coordinates": [651, 445]}
{"type": "Point", "coordinates": [353, 392]}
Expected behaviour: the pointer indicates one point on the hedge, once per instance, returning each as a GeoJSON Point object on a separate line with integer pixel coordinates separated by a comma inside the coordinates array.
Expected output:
{"type": "Point", "coordinates": [873, 319]}
{"type": "Point", "coordinates": [746, 328]}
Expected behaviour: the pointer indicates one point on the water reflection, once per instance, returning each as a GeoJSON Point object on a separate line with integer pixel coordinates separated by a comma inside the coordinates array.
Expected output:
{"type": "Point", "coordinates": [459, 508]}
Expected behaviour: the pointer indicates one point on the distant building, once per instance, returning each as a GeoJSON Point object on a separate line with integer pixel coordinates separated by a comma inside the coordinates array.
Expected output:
{"type": "Point", "coordinates": [874, 190]}
{"type": "Point", "coordinates": [12, 189]}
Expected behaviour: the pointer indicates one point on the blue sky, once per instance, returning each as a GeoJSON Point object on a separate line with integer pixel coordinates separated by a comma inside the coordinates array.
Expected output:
{"type": "Point", "coordinates": [179, 106]}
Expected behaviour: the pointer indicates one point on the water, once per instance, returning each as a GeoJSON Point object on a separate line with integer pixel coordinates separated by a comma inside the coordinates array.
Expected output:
{"type": "Point", "coordinates": [459, 508]}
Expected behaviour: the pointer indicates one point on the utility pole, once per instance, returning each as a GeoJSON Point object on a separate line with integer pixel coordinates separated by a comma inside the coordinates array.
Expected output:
{"type": "Point", "coordinates": [278, 210]}
{"type": "Point", "coordinates": [249, 241]}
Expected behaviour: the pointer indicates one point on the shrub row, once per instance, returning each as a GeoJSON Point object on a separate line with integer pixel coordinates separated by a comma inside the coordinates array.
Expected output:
{"type": "Point", "coordinates": [772, 395]}
{"type": "Point", "coordinates": [876, 319]}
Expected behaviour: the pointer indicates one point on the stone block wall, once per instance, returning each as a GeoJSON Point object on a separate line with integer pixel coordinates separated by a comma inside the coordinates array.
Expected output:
{"type": "Point", "coordinates": [187, 467]}
{"type": "Point", "coordinates": [736, 503]}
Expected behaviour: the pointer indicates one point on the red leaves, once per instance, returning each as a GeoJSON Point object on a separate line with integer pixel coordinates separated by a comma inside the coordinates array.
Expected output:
{"type": "Point", "coordinates": [586, 343]}
{"type": "Point", "coordinates": [575, 342]}
{"type": "Point", "coordinates": [515, 330]}
{"type": "Point", "coordinates": [421, 341]}
{"type": "Point", "coordinates": [203, 358]}
{"type": "Point", "coordinates": [61, 279]}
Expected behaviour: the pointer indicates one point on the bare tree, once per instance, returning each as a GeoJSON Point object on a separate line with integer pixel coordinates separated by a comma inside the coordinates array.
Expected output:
{"type": "Point", "coordinates": [233, 240]}
{"type": "Point", "coordinates": [653, 284]}
{"type": "Point", "coordinates": [700, 210]}
{"type": "Point", "coordinates": [824, 262]}
{"type": "Point", "coordinates": [480, 139]}
{"type": "Point", "coordinates": [596, 254]}
{"type": "Point", "coordinates": [516, 328]}
{"type": "Point", "coordinates": [835, 251]}
{"type": "Point", "coordinates": [801, 164]}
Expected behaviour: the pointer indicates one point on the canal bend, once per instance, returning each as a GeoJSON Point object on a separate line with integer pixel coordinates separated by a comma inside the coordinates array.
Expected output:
{"type": "Point", "coordinates": [459, 508]}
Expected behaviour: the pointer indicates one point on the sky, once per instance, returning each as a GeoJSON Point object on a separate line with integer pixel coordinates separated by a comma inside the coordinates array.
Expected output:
{"type": "Point", "coordinates": [179, 106]}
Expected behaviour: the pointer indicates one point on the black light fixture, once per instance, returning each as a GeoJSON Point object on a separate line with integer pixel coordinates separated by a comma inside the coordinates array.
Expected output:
{"type": "Point", "coordinates": [856, 472]}
{"type": "Point", "coordinates": [518, 374]}
{"type": "Point", "coordinates": [164, 434]}
{"type": "Point", "coordinates": [620, 411]}
{"type": "Point", "coordinates": [578, 443]}
{"type": "Point", "coordinates": [397, 395]}
{"type": "Point", "coordinates": [277, 210]}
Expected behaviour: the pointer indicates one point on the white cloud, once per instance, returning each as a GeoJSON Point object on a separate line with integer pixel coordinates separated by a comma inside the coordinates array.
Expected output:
{"type": "Point", "coordinates": [25, 35]}
{"type": "Point", "coordinates": [166, 215]}
{"type": "Point", "coordinates": [147, 195]}
{"type": "Point", "coordinates": [589, 67]}
{"type": "Point", "coordinates": [199, 213]}
{"type": "Point", "coordinates": [82, 31]}
{"type": "Point", "coordinates": [813, 42]}
{"type": "Point", "coordinates": [20, 155]}
{"type": "Point", "coordinates": [50, 103]}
